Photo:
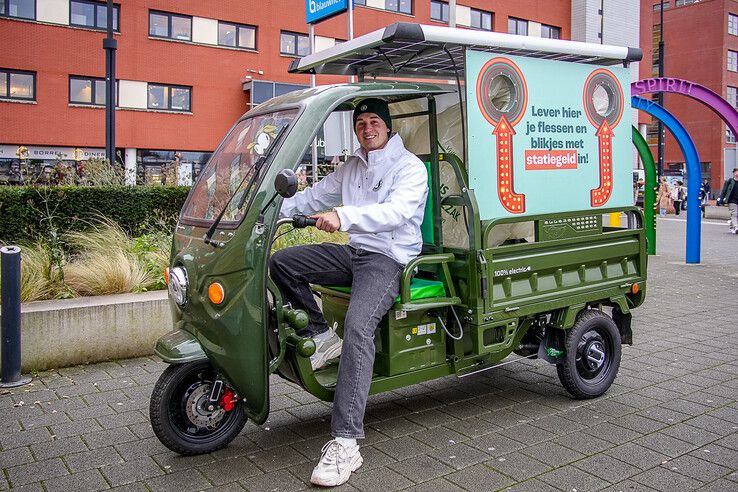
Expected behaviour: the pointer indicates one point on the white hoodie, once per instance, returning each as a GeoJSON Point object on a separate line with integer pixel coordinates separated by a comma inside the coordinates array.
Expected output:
{"type": "Point", "coordinates": [383, 200]}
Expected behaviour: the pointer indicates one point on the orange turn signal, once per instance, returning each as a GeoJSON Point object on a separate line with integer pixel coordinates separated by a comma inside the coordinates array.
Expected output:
{"type": "Point", "coordinates": [216, 293]}
{"type": "Point", "coordinates": [166, 275]}
{"type": "Point", "coordinates": [635, 288]}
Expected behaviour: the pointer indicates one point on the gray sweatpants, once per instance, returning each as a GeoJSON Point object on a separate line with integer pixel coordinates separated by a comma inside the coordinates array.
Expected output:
{"type": "Point", "coordinates": [375, 282]}
{"type": "Point", "coordinates": [733, 207]}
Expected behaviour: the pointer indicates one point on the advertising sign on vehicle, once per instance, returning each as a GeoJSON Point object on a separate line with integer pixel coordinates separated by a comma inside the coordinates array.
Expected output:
{"type": "Point", "coordinates": [318, 10]}
{"type": "Point", "coordinates": [552, 136]}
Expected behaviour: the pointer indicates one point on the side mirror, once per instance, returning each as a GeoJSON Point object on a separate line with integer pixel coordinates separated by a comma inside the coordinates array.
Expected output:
{"type": "Point", "coordinates": [286, 183]}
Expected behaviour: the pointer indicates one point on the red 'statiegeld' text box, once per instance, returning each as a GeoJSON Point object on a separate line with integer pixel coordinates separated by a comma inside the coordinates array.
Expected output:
{"type": "Point", "coordinates": [550, 159]}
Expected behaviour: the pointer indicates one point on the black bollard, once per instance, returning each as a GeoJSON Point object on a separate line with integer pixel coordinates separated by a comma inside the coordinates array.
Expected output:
{"type": "Point", "coordinates": [10, 317]}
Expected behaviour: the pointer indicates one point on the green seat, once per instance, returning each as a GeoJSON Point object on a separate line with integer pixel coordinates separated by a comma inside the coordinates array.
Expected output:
{"type": "Point", "coordinates": [420, 288]}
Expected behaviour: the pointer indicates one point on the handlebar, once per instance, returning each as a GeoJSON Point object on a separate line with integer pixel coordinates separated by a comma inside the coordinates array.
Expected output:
{"type": "Point", "coordinates": [298, 221]}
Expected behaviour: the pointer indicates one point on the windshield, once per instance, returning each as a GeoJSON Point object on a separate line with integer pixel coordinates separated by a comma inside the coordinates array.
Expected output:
{"type": "Point", "coordinates": [224, 180]}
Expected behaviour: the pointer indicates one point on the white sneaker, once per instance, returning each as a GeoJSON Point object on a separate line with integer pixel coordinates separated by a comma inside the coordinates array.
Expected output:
{"type": "Point", "coordinates": [327, 346]}
{"type": "Point", "coordinates": [336, 464]}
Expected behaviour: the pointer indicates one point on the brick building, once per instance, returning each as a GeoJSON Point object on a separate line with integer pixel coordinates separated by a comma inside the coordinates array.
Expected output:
{"type": "Point", "coordinates": [700, 45]}
{"type": "Point", "coordinates": [186, 70]}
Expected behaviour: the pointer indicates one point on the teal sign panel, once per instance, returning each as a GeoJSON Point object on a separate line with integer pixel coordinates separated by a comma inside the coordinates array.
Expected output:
{"type": "Point", "coordinates": [318, 10]}
{"type": "Point", "coordinates": [547, 136]}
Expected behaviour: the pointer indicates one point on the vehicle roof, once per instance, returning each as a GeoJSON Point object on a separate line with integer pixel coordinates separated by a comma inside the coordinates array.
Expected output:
{"type": "Point", "coordinates": [350, 95]}
{"type": "Point", "coordinates": [415, 50]}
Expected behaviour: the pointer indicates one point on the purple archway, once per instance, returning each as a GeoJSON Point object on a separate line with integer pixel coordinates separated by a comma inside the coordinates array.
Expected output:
{"type": "Point", "coordinates": [696, 91]}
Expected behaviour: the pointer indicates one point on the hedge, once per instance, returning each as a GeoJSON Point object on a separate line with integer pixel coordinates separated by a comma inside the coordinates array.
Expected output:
{"type": "Point", "coordinates": [28, 213]}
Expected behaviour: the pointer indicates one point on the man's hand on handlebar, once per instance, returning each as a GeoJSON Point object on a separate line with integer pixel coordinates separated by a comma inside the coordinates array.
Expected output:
{"type": "Point", "coordinates": [328, 221]}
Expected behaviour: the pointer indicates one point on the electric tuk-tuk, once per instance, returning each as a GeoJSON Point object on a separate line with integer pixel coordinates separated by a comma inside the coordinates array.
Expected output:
{"type": "Point", "coordinates": [527, 146]}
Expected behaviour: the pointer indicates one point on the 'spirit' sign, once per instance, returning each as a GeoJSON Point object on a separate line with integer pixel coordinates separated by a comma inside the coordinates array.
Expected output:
{"type": "Point", "coordinates": [318, 10]}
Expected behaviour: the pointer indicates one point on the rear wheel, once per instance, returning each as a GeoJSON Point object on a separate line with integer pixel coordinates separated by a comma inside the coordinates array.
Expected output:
{"type": "Point", "coordinates": [182, 416]}
{"type": "Point", "coordinates": [592, 356]}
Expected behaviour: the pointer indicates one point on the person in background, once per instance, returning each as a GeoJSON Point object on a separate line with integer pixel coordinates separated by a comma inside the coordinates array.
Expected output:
{"type": "Point", "coordinates": [663, 198]}
{"type": "Point", "coordinates": [677, 196]}
{"type": "Point", "coordinates": [729, 195]}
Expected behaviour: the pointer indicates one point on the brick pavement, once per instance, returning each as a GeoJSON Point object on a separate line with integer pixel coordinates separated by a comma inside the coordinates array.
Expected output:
{"type": "Point", "coordinates": [669, 423]}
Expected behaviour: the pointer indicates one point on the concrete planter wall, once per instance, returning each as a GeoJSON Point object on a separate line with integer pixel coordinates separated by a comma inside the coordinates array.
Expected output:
{"type": "Point", "coordinates": [92, 329]}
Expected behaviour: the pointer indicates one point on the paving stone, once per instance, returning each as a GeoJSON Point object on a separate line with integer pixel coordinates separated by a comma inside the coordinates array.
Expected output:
{"type": "Point", "coordinates": [719, 486]}
{"type": "Point", "coordinates": [583, 443]}
{"type": "Point", "coordinates": [15, 457]}
{"type": "Point", "coordinates": [518, 466]}
{"type": "Point", "coordinates": [92, 459]}
{"type": "Point", "coordinates": [557, 424]}
{"type": "Point", "coordinates": [139, 448]}
{"type": "Point", "coordinates": [527, 434]}
{"type": "Point", "coordinates": [180, 481]}
{"type": "Point", "coordinates": [553, 454]}
{"type": "Point", "coordinates": [668, 445]}
{"type": "Point", "coordinates": [637, 455]}
{"type": "Point", "coordinates": [276, 458]}
{"type": "Point", "coordinates": [607, 468]}
{"type": "Point", "coordinates": [639, 423]}
{"type": "Point", "coordinates": [225, 471]}
{"type": "Point", "coordinates": [24, 438]}
{"type": "Point", "coordinates": [459, 456]}
{"type": "Point", "coordinates": [611, 432]}
{"type": "Point", "coordinates": [691, 434]}
{"type": "Point", "coordinates": [171, 461]}
{"type": "Point", "coordinates": [403, 447]}
{"type": "Point", "coordinates": [104, 438]}
{"type": "Point", "coordinates": [421, 468]}
{"type": "Point", "coordinates": [628, 486]}
{"type": "Point", "coordinates": [35, 472]}
{"type": "Point", "coordinates": [274, 481]}
{"type": "Point", "coordinates": [131, 471]}
{"type": "Point", "coordinates": [533, 485]}
{"type": "Point", "coordinates": [697, 468]}
{"type": "Point", "coordinates": [75, 428]}
{"type": "Point", "coordinates": [438, 437]}
{"type": "Point", "coordinates": [569, 478]}
{"type": "Point", "coordinates": [666, 480]}
{"type": "Point", "coordinates": [88, 481]}
{"type": "Point", "coordinates": [495, 444]}
{"type": "Point", "coordinates": [121, 419]}
{"type": "Point", "coordinates": [473, 427]}
{"type": "Point", "coordinates": [58, 447]}
{"type": "Point", "coordinates": [479, 477]}
{"type": "Point", "coordinates": [396, 427]}
{"type": "Point", "coordinates": [437, 485]}
{"type": "Point", "coordinates": [717, 454]}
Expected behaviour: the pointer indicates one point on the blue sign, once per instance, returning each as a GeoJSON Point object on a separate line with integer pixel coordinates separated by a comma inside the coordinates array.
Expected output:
{"type": "Point", "coordinates": [318, 10]}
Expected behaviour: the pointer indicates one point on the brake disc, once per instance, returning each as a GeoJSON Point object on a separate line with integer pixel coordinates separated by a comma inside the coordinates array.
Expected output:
{"type": "Point", "coordinates": [201, 411]}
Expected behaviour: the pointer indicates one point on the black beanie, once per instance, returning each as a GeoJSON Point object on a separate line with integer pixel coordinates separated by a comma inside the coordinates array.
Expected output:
{"type": "Point", "coordinates": [376, 106]}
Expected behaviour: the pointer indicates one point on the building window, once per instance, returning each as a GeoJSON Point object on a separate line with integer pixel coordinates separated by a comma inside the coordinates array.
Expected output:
{"type": "Point", "coordinates": [729, 136]}
{"type": "Point", "coordinates": [657, 6]}
{"type": "Point", "coordinates": [172, 26]}
{"type": "Point", "coordinates": [517, 26]}
{"type": "Point", "coordinates": [87, 90]}
{"type": "Point", "coordinates": [733, 96]}
{"type": "Point", "coordinates": [733, 61]}
{"type": "Point", "coordinates": [402, 6]}
{"type": "Point", "coordinates": [481, 19]}
{"type": "Point", "coordinates": [733, 24]}
{"type": "Point", "coordinates": [682, 3]}
{"type": "Point", "coordinates": [294, 44]}
{"type": "Point", "coordinates": [439, 11]}
{"type": "Point", "coordinates": [15, 84]}
{"type": "Point", "coordinates": [236, 35]}
{"type": "Point", "coordinates": [22, 9]}
{"type": "Point", "coordinates": [551, 32]}
{"type": "Point", "coordinates": [87, 13]}
{"type": "Point", "coordinates": [169, 97]}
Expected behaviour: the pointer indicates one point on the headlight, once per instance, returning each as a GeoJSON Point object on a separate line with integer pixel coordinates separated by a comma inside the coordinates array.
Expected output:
{"type": "Point", "coordinates": [178, 285]}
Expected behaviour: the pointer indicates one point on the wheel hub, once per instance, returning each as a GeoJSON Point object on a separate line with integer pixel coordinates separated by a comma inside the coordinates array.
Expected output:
{"type": "Point", "coordinates": [201, 411]}
{"type": "Point", "coordinates": [595, 355]}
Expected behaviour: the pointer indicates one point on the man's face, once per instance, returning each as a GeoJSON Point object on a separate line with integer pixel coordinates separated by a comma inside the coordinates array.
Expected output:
{"type": "Point", "coordinates": [372, 132]}
{"type": "Point", "coordinates": [735, 175]}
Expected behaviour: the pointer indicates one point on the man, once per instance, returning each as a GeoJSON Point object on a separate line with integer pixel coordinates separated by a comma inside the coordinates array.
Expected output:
{"type": "Point", "coordinates": [379, 197]}
{"type": "Point", "coordinates": [729, 195]}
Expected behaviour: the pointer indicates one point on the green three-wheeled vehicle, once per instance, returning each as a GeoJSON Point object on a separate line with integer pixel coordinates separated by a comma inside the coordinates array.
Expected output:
{"type": "Point", "coordinates": [531, 243]}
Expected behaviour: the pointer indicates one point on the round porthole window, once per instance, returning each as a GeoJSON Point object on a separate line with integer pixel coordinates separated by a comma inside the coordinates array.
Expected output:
{"type": "Point", "coordinates": [501, 91]}
{"type": "Point", "coordinates": [603, 98]}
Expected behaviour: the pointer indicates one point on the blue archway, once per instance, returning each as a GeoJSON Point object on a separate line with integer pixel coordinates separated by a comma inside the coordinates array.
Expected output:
{"type": "Point", "coordinates": [694, 212]}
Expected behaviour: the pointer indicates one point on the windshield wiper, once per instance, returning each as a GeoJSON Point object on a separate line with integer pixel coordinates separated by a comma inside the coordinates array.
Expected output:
{"type": "Point", "coordinates": [208, 237]}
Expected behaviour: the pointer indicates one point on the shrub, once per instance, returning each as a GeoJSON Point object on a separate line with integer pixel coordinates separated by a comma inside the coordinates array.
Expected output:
{"type": "Point", "coordinates": [29, 213]}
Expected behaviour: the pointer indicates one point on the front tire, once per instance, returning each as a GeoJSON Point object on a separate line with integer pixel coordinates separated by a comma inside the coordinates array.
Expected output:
{"type": "Point", "coordinates": [183, 418]}
{"type": "Point", "coordinates": [592, 356]}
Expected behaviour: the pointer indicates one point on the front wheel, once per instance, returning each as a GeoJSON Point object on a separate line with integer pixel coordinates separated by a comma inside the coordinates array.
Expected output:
{"type": "Point", "coordinates": [182, 416]}
{"type": "Point", "coordinates": [592, 356]}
